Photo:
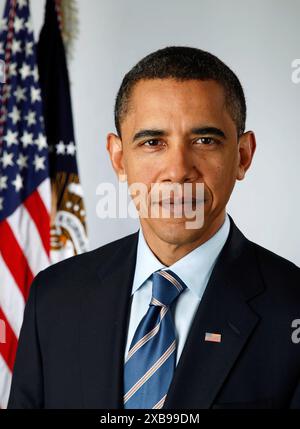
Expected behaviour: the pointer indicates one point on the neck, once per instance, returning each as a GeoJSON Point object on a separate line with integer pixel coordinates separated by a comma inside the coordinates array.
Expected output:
{"type": "Point", "coordinates": [169, 252]}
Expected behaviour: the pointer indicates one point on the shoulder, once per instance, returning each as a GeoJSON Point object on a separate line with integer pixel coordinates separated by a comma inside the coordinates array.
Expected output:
{"type": "Point", "coordinates": [272, 262]}
{"type": "Point", "coordinates": [78, 270]}
{"type": "Point", "coordinates": [281, 276]}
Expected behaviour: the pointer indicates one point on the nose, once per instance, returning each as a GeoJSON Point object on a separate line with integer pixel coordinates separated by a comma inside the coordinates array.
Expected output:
{"type": "Point", "coordinates": [179, 165]}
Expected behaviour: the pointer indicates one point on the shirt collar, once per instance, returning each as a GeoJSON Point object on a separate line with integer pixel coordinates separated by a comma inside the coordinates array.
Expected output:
{"type": "Point", "coordinates": [194, 268]}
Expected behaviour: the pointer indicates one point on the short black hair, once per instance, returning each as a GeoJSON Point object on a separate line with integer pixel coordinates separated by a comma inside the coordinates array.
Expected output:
{"type": "Point", "coordinates": [184, 63]}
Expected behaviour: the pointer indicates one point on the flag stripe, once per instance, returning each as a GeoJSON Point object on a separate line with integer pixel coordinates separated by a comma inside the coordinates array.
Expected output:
{"type": "Point", "coordinates": [8, 350]}
{"type": "Point", "coordinates": [15, 259]}
{"type": "Point", "coordinates": [5, 382]}
{"type": "Point", "coordinates": [44, 190]}
{"type": "Point", "coordinates": [11, 299]}
{"type": "Point", "coordinates": [40, 216]}
{"type": "Point", "coordinates": [29, 239]}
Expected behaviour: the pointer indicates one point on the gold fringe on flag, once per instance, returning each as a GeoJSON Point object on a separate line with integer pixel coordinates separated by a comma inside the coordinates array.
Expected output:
{"type": "Point", "coordinates": [67, 12]}
{"type": "Point", "coordinates": [68, 227]}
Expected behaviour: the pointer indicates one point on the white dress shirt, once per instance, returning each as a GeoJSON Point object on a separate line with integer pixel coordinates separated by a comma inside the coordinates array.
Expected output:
{"type": "Point", "coordinates": [194, 269]}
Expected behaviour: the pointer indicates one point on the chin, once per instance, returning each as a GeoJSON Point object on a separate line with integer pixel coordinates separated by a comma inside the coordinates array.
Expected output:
{"type": "Point", "coordinates": [175, 232]}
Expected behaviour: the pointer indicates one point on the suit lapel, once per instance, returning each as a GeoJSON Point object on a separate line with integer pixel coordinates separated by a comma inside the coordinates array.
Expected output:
{"type": "Point", "coordinates": [224, 309]}
{"type": "Point", "coordinates": [103, 328]}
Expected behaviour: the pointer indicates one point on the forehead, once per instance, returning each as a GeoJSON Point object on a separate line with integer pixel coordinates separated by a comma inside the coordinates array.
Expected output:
{"type": "Point", "coordinates": [171, 99]}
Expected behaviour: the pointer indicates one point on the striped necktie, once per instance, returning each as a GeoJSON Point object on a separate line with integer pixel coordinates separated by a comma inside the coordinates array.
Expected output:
{"type": "Point", "coordinates": [151, 360]}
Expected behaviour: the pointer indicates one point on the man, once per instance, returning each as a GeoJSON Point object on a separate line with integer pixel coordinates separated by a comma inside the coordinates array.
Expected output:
{"type": "Point", "coordinates": [170, 316]}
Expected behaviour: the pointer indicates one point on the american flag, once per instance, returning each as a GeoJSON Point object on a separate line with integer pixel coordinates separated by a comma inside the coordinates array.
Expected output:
{"type": "Point", "coordinates": [68, 217]}
{"type": "Point", "coordinates": [213, 338]}
{"type": "Point", "coordinates": [24, 179]}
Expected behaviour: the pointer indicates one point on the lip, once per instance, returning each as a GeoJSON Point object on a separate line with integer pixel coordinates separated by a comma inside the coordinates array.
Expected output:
{"type": "Point", "coordinates": [179, 202]}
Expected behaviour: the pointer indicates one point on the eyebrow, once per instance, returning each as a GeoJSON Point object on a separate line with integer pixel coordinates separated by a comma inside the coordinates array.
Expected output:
{"type": "Point", "coordinates": [148, 133]}
{"type": "Point", "coordinates": [201, 131]}
{"type": "Point", "coordinates": [208, 130]}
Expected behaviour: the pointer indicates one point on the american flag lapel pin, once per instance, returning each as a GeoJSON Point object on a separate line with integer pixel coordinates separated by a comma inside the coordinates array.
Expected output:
{"type": "Point", "coordinates": [213, 337]}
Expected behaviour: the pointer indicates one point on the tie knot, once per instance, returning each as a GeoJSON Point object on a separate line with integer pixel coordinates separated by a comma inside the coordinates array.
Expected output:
{"type": "Point", "coordinates": [167, 286]}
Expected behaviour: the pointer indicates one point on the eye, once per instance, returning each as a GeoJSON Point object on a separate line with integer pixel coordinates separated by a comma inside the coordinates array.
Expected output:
{"type": "Point", "coordinates": [206, 140]}
{"type": "Point", "coordinates": [151, 143]}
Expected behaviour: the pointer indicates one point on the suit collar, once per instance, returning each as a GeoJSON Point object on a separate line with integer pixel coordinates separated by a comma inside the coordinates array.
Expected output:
{"type": "Point", "coordinates": [194, 269]}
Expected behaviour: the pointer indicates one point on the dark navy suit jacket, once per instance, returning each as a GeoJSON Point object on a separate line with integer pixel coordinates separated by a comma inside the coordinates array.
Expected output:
{"type": "Point", "coordinates": [72, 342]}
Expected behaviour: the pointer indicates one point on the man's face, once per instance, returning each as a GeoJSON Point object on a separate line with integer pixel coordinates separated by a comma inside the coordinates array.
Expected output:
{"type": "Point", "coordinates": [181, 132]}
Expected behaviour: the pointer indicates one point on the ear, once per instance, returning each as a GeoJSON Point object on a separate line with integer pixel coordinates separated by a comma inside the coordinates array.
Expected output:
{"type": "Point", "coordinates": [114, 147]}
{"type": "Point", "coordinates": [247, 146]}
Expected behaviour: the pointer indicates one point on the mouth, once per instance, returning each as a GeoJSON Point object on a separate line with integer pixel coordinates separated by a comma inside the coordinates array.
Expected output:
{"type": "Point", "coordinates": [180, 201]}
{"type": "Point", "coordinates": [181, 206]}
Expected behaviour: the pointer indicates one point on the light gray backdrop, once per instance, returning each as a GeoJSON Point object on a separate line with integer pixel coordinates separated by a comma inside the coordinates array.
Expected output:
{"type": "Point", "coordinates": [258, 39]}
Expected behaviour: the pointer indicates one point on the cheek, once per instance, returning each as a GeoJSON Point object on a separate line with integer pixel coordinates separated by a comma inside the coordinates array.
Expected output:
{"type": "Point", "coordinates": [220, 172]}
{"type": "Point", "coordinates": [138, 171]}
